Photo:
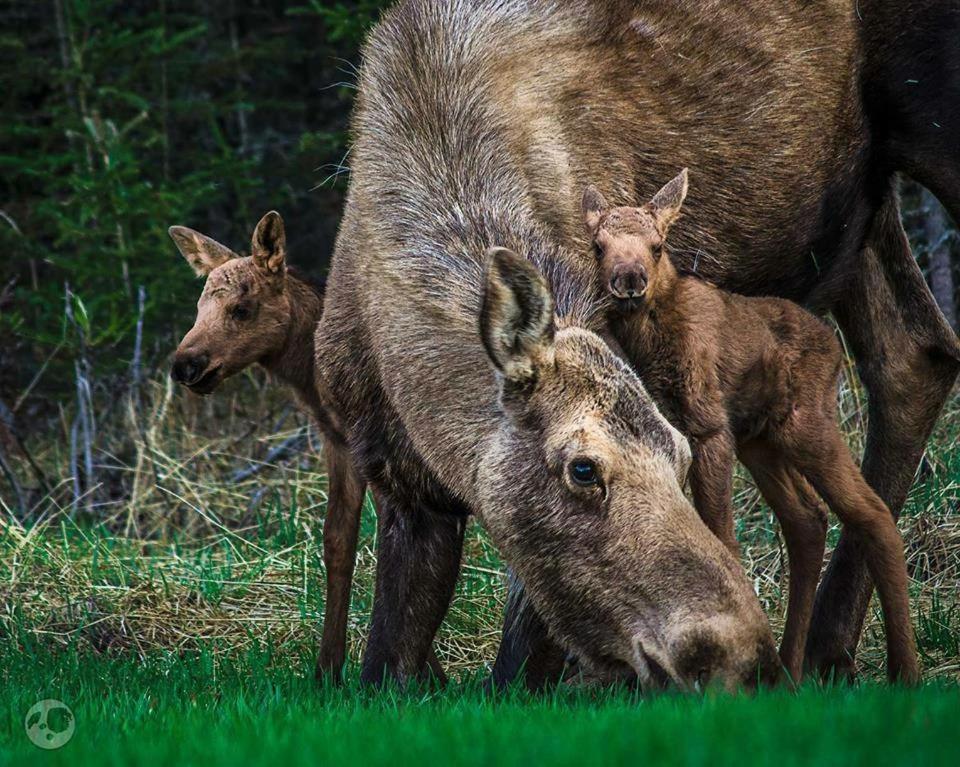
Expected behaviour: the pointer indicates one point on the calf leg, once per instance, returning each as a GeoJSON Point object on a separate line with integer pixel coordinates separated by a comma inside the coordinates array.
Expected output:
{"type": "Point", "coordinates": [867, 520]}
{"type": "Point", "coordinates": [804, 523]}
{"type": "Point", "coordinates": [711, 481]}
{"type": "Point", "coordinates": [340, 529]}
{"type": "Point", "coordinates": [418, 560]}
{"type": "Point", "coordinates": [525, 648]}
{"type": "Point", "coordinates": [908, 360]}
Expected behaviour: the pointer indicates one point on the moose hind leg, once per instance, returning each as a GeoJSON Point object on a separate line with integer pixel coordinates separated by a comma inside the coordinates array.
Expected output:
{"type": "Point", "coordinates": [908, 359]}
{"type": "Point", "coordinates": [526, 649]}
{"type": "Point", "coordinates": [833, 472]}
{"type": "Point", "coordinates": [418, 560]}
{"type": "Point", "coordinates": [340, 530]}
{"type": "Point", "coordinates": [803, 520]}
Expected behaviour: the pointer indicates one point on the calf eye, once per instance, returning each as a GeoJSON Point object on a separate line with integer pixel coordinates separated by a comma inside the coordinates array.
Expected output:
{"type": "Point", "coordinates": [584, 473]}
{"type": "Point", "coordinates": [597, 250]}
{"type": "Point", "coordinates": [241, 312]}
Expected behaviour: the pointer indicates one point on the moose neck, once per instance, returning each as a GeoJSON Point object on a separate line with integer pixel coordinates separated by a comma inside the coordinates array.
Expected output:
{"type": "Point", "coordinates": [293, 363]}
{"type": "Point", "coordinates": [661, 303]}
{"type": "Point", "coordinates": [659, 329]}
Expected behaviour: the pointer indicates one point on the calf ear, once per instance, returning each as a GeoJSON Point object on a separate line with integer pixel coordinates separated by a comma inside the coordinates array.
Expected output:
{"type": "Point", "coordinates": [269, 249]}
{"type": "Point", "coordinates": [592, 206]}
{"type": "Point", "coordinates": [516, 315]}
{"type": "Point", "coordinates": [201, 252]}
{"type": "Point", "coordinates": [666, 203]}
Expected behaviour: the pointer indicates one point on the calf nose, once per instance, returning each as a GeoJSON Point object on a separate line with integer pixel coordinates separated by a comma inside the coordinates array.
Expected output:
{"type": "Point", "coordinates": [188, 368]}
{"type": "Point", "coordinates": [628, 283]}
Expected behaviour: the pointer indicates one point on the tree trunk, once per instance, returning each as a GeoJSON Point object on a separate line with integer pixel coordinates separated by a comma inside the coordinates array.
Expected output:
{"type": "Point", "coordinates": [939, 236]}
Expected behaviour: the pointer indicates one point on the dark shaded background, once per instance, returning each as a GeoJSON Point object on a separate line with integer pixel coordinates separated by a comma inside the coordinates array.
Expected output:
{"type": "Point", "coordinates": [122, 118]}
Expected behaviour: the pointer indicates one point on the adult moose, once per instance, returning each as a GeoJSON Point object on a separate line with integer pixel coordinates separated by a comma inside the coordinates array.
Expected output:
{"type": "Point", "coordinates": [457, 345]}
{"type": "Point", "coordinates": [477, 124]}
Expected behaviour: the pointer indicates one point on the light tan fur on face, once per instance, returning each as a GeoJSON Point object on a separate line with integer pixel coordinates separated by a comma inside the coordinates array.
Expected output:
{"type": "Point", "coordinates": [600, 560]}
{"type": "Point", "coordinates": [247, 309]}
{"type": "Point", "coordinates": [627, 241]}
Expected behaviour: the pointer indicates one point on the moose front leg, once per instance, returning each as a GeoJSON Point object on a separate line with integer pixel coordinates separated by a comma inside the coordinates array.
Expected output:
{"type": "Point", "coordinates": [711, 481]}
{"type": "Point", "coordinates": [418, 560]}
{"type": "Point", "coordinates": [803, 520]}
{"type": "Point", "coordinates": [908, 359]}
{"type": "Point", "coordinates": [526, 649]}
{"type": "Point", "coordinates": [340, 528]}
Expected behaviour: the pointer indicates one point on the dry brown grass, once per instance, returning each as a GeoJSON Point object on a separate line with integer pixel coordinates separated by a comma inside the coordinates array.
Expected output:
{"type": "Point", "coordinates": [177, 556]}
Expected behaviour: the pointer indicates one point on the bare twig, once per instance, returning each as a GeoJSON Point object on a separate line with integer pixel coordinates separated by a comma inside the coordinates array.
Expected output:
{"type": "Point", "coordinates": [938, 235]}
{"type": "Point", "coordinates": [13, 224]}
{"type": "Point", "coordinates": [289, 447]}
{"type": "Point", "coordinates": [138, 342]}
{"type": "Point", "coordinates": [8, 422]}
{"type": "Point", "coordinates": [84, 426]}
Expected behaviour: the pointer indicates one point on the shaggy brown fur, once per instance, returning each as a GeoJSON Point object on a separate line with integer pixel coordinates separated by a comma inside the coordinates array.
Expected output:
{"type": "Point", "coordinates": [257, 310]}
{"type": "Point", "coordinates": [755, 377]}
{"type": "Point", "coordinates": [477, 124]}
{"type": "Point", "coordinates": [576, 480]}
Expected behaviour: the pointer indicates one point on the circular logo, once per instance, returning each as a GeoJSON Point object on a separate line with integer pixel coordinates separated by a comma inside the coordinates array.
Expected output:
{"type": "Point", "coordinates": [49, 724]}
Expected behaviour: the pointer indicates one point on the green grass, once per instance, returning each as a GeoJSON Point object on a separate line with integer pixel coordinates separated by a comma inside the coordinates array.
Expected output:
{"type": "Point", "coordinates": [190, 710]}
{"type": "Point", "coordinates": [180, 622]}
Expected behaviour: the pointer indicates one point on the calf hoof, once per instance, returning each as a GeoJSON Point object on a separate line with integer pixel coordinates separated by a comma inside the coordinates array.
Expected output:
{"type": "Point", "coordinates": [329, 669]}
{"type": "Point", "coordinates": [835, 665]}
{"type": "Point", "coordinates": [906, 672]}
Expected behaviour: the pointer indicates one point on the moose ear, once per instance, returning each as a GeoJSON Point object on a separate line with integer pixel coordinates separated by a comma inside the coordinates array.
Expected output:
{"type": "Point", "coordinates": [666, 203]}
{"type": "Point", "coordinates": [592, 206]}
{"type": "Point", "coordinates": [516, 315]}
{"type": "Point", "coordinates": [201, 252]}
{"type": "Point", "coordinates": [269, 248]}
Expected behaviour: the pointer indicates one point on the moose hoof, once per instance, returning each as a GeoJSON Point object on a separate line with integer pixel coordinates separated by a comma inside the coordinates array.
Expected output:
{"type": "Point", "coordinates": [837, 666]}
{"type": "Point", "coordinates": [329, 670]}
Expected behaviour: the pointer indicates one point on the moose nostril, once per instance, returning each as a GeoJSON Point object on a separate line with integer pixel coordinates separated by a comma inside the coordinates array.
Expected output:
{"type": "Point", "coordinates": [628, 284]}
{"type": "Point", "coordinates": [186, 370]}
{"type": "Point", "coordinates": [620, 285]}
{"type": "Point", "coordinates": [181, 371]}
{"type": "Point", "coordinates": [703, 679]}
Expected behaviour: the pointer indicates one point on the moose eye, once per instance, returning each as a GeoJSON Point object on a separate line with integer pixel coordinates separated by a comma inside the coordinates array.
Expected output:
{"type": "Point", "coordinates": [597, 251]}
{"type": "Point", "coordinates": [584, 473]}
{"type": "Point", "coordinates": [241, 312]}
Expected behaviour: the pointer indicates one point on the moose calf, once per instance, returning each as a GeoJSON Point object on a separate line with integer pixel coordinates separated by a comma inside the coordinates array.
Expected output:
{"type": "Point", "coordinates": [755, 378]}
{"type": "Point", "coordinates": [259, 310]}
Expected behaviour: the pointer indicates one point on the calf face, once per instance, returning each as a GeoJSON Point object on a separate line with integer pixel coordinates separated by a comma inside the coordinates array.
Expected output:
{"type": "Point", "coordinates": [628, 242]}
{"type": "Point", "coordinates": [243, 313]}
{"type": "Point", "coordinates": [581, 490]}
